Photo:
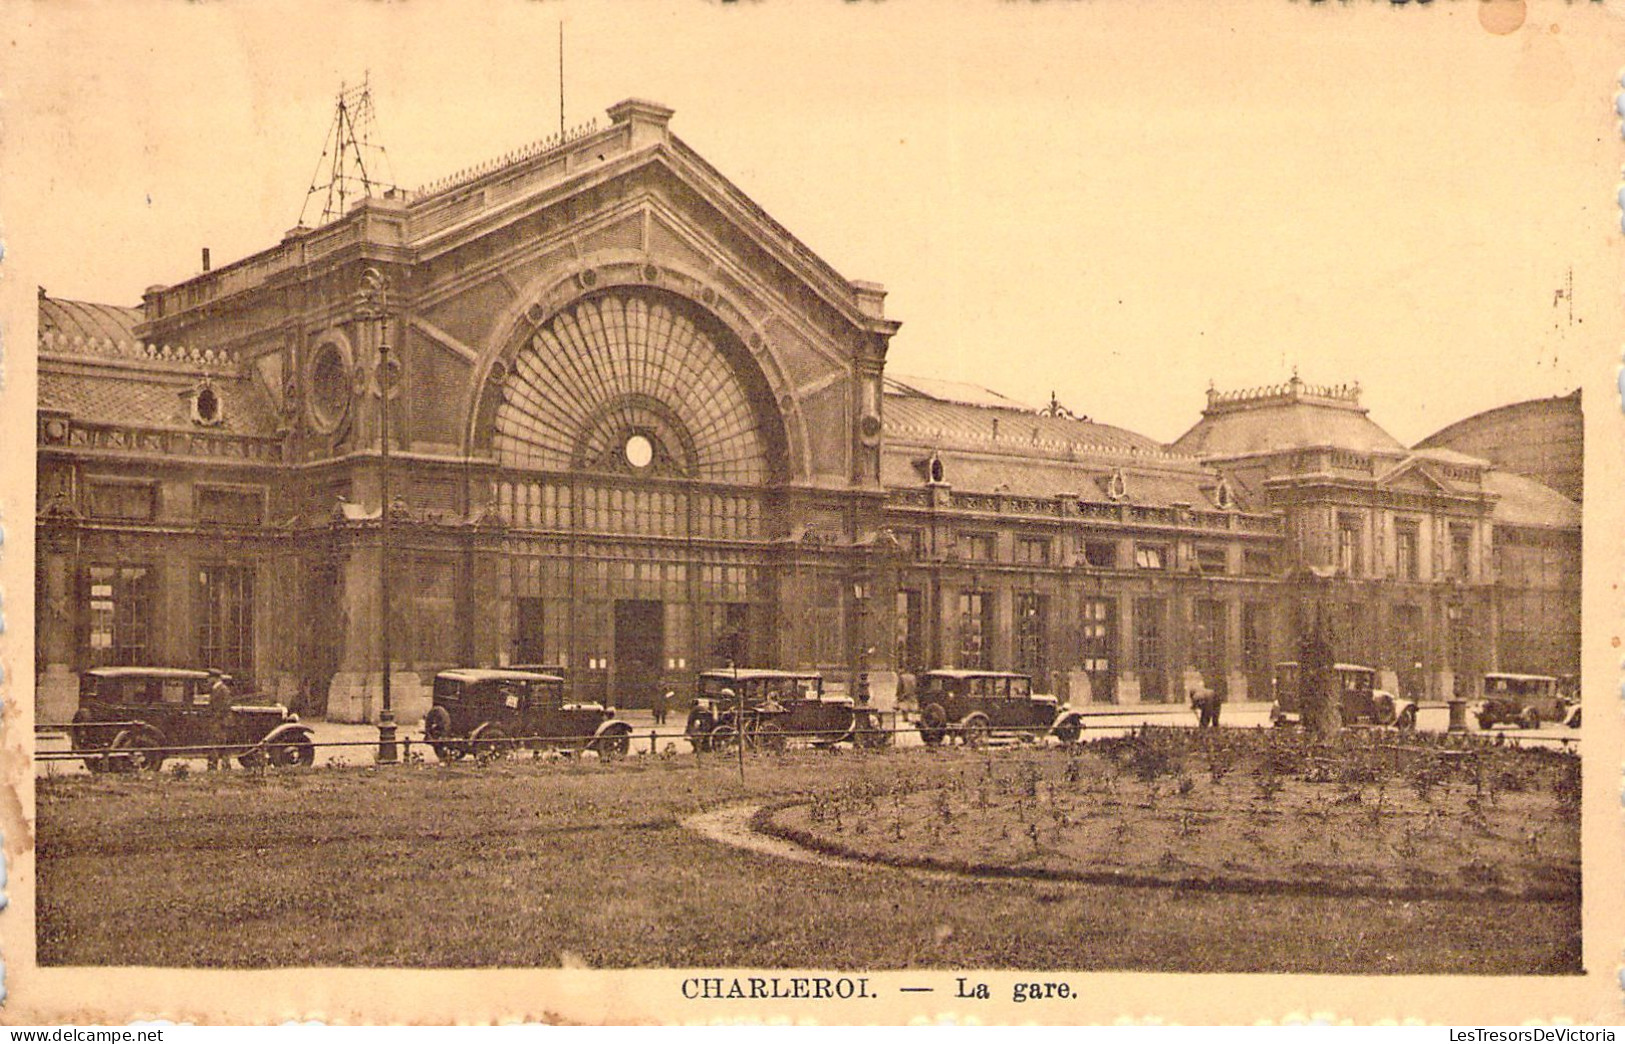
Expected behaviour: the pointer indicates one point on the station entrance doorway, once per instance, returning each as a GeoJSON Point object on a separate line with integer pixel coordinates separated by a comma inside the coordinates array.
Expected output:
{"type": "Point", "coordinates": [640, 642]}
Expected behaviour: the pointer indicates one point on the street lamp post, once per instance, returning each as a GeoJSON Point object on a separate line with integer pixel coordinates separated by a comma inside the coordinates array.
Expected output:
{"type": "Point", "coordinates": [375, 305]}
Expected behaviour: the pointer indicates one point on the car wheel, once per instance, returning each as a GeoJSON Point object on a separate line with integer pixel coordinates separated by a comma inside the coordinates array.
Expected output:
{"type": "Point", "coordinates": [1069, 730]}
{"type": "Point", "coordinates": [135, 751]}
{"type": "Point", "coordinates": [436, 729]}
{"type": "Point", "coordinates": [974, 732]}
{"type": "Point", "coordinates": [293, 752]}
{"type": "Point", "coordinates": [1407, 719]}
{"type": "Point", "coordinates": [933, 723]}
{"type": "Point", "coordinates": [251, 759]}
{"type": "Point", "coordinates": [612, 746]}
{"type": "Point", "coordinates": [770, 737]}
{"type": "Point", "coordinates": [1574, 718]}
{"type": "Point", "coordinates": [722, 738]}
{"type": "Point", "coordinates": [493, 743]}
{"type": "Point", "coordinates": [1530, 718]}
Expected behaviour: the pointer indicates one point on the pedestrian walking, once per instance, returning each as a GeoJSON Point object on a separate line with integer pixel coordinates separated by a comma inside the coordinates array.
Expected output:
{"type": "Point", "coordinates": [1207, 702]}
{"type": "Point", "coordinates": [662, 702]}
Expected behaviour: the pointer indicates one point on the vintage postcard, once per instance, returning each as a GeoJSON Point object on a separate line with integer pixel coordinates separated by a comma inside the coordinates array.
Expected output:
{"type": "Point", "coordinates": [849, 513]}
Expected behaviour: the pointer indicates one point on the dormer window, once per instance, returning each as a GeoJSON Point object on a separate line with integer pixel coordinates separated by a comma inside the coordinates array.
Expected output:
{"type": "Point", "coordinates": [1223, 497]}
{"type": "Point", "coordinates": [1117, 485]}
{"type": "Point", "coordinates": [207, 409]}
{"type": "Point", "coordinates": [935, 473]}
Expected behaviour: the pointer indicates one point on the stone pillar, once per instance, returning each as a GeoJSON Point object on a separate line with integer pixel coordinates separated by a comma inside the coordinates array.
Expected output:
{"type": "Point", "coordinates": [56, 693]}
{"type": "Point", "coordinates": [176, 590]}
{"type": "Point", "coordinates": [1128, 678]}
{"type": "Point", "coordinates": [1236, 678]}
{"type": "Point", "coordinates": [358, 683]}
{"type": "Point", "coordinates": [947, 624]}
{"type": "Point", "coordinates": [1002, 655]}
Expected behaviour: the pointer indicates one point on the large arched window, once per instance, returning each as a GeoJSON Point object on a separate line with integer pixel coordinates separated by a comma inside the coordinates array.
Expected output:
{"type": "Point", "coordinates": [637, 382]}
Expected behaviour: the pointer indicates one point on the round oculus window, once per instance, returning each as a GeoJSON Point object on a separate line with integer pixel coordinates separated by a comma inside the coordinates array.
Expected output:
{"type": "Point", "coordinates": [329, 387]}
{"type": "Point", "coordinates": [640, 452]}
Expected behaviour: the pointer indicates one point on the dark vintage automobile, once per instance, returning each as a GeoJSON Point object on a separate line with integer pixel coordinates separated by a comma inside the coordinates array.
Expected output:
{"type": "Point", "coordinates": [778, 706]}
{"type": "Point", "coordinates": [1360, 702]}
{"type": "Point", "coordinates": [494, 711]}
{"type": "Point", "coordinates": [1525, 700]}
{"type": "Point", "coordinates": [133, 718]}
{"type": "Point", "coordinates": [971, 705]}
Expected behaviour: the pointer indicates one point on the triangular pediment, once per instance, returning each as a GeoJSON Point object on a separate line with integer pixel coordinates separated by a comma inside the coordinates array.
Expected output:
{"type": "Point", "coordinates": [607, 174]}
{"type": "Point", "coordinates": [1413, 475]}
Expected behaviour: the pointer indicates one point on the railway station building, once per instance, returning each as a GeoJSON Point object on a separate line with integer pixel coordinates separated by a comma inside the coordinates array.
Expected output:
{"type": "Point", "coordinates": [636, 429]}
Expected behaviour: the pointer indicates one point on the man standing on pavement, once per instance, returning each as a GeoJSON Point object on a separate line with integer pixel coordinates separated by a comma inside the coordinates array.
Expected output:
{"type": "Point", "coordinates": [661, 701]}
{"type": "Point", "coordinates": [1207, 702]}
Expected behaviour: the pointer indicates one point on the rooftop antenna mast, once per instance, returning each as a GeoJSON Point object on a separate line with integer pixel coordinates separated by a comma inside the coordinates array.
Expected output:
{"type": "Point", "coordinates": [561, 79]}
{"type": "Point", "coordinates": [351, 167]}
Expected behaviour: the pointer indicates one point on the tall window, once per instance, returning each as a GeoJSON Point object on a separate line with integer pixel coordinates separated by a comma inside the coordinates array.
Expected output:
{"type": "Point", "coordinates": [1408, 635]}
{"type": "Point", "coordinates": [1348, 544]}
{"type": "Point", "coordinates": [1097, 637]}
{"type": "Point", "coordinates": [1211, 633]}
{"type": "Point", "coordinates": [1148, 652]}
{"type": "Point", "coordinates": [1461, 551]}
{"type": "Point", "coordinates": [910, 651]}
{"type": "Point", "coordinates": [1032, 623]}
{"type": "Point", "coordinates": [119, 614]}
{"type": "Point", "coordinates": [226, 626]}
{"type": "Point", "coordinates": [975, 629]}
{"type": "Point", "coordinates": [1255, 645]}
{"type": "Point", "coordinates": [1407, 539]}
{"type": "Point", "coordinates": [1463, 647]}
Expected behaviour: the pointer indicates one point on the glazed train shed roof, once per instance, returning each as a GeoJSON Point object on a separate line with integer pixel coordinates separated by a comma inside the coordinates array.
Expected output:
{"type": "Point", "coordinates": [86, 320]}
{"type": "Point", "coordinates": [915, 417]}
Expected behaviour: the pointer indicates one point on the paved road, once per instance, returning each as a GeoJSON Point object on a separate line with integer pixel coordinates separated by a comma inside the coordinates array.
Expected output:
{"type": "Point", "coordinates": [1102, 722]}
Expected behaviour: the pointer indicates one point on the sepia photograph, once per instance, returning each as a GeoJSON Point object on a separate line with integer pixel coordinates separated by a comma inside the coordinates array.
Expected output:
{"type": "Point", "coordinates": [860, 513]}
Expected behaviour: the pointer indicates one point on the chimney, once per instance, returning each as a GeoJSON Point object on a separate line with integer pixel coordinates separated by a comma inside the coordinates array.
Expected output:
{"type": "Point", "coordinates": [205, 259]}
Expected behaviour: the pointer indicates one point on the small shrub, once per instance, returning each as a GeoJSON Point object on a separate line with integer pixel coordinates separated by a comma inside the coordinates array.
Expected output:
{"type": "Point", "coordinates": [1425, 778]}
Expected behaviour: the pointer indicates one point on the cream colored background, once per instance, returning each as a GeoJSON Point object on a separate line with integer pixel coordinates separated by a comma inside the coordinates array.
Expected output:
{"type": "Point", "coordinates": [1113, 201]}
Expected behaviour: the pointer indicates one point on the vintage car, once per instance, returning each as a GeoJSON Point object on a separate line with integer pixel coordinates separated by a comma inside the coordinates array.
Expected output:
{"type": "Point", "coordinates": [777, 706]}
{"type": "Point", "coordinates": [133, 718]}
{"type": "Point", "coordinates": [491, 712]}
{"type": "Point", "coordinates": [974, 704]}
{"type": "Point", "coordinates": [1525, 700]}
{"type": "Point", "coordinates": [1360, 702]}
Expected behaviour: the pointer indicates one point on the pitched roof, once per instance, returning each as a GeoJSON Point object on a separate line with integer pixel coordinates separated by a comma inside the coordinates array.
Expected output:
{"type": "Point", "coordinates": [1284, 417]}
{"type": "Point", "coordinates": [1525, 502]}
{"type": "Point", "coordinates": [91, 366]}
{"type": "Point", "coordinates": [996, 447]}
{"type": "Point", "coordinates": [917, 417]}
{"type": "Point", "coordinates": [149, 400]}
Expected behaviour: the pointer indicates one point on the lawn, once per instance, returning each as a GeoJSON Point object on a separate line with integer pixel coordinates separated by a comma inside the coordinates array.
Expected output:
{"type": "Point", "coordinates": [526, 863]}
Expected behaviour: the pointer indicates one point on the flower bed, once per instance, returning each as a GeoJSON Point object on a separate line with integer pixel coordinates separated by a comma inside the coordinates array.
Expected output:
{"type": "Point", "coordinates": [1372, 813]}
